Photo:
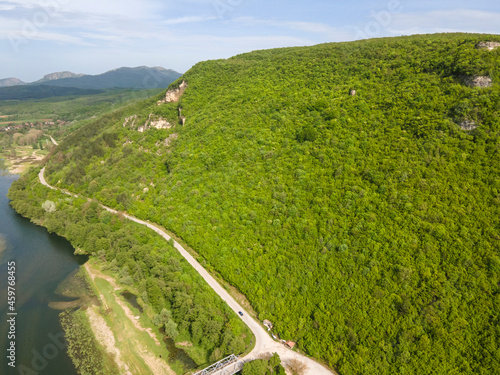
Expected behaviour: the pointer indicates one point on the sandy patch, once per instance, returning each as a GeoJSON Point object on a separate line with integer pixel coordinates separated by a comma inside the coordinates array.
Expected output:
{"type": "Point", "coordinates": [157, 365]}
{"type": "Point", "coordinates": [20, 163]}
{"type": "Point", "coordinates": [106, 338]}
{"type": "Point", "coordinates": [96, 273]}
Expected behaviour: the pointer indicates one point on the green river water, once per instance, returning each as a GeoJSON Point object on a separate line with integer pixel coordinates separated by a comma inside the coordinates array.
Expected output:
{"type": "Point", "coordinates": [42, 261]}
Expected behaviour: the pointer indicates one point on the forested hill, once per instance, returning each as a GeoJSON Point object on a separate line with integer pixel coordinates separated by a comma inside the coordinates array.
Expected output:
{"type": "Point", "coordinates": [42, 92]}
{"type": "Point", "coordinates": [365, 227]}
{"type": "Point", "coordinates": [141, 77]}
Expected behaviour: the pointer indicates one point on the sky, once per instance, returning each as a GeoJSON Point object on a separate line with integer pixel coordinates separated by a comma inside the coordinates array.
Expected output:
{"type": "Point", "coordinates": [93, 36]}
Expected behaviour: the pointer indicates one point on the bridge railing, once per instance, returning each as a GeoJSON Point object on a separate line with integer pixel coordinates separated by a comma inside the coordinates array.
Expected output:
{"type": "Point", "coordinates": [219, 365]}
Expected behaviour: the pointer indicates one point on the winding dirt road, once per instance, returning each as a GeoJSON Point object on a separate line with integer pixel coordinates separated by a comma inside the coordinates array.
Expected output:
{"type": "Point", "coordinates": [264, 344]}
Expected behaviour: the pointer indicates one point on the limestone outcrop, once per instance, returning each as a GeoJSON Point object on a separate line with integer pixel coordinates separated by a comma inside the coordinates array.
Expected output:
{"type": "Point", "coordinates": [468, 125]}
{"type": "Point", "coordinates": [154, 122]}
{"type": "Point", "coordinates": [130, 121]}
{"type": "Point", "coordinates": [174, 95]}
{"type": "Point", "coordinates": [490, 46]}
{"type": "Point", "coordinates": [478, 81]}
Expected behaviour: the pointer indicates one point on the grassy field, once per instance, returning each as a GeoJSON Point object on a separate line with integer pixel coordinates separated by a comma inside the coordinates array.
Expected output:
{"type": "Point", "coordinates": [24, 158]}
{"type": "Point", "coordinates": [87, 355]}
{"type": "Point", "coordinates": [68, 108]}
{"type": "Point", "coordinates": [136, 338]}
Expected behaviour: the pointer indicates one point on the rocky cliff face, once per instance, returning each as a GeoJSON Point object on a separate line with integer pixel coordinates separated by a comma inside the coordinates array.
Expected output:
{"type": "Point", "coordinates": [173, 95]}
{"type": "Point", "coordinates": [478, 81]}
{"type": "Point", "coordinates": [468, 125]}
{"type": "Point", "coordinates": [488, 45]}
{"type": "Point", "coordinates": [155, 122]}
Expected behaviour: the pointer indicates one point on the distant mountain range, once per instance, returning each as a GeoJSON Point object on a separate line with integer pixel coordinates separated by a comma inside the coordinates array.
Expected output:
{"type": "Point", "coordinates": [142, 77]}
{"type": "Point", "coordinates": [59, 75]}
{"type": "Point", "coordinates": [8, 82]}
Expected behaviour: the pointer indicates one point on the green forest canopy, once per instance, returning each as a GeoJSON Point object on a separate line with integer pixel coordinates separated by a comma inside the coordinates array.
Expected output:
{"type": "Point", "coordinates": [365, 227]}
{"type": "Point", "coordinates": [181, 304]}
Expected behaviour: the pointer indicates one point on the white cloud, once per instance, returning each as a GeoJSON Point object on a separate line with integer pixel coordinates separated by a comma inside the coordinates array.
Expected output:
{"type": "Point", "coordinates": [56, 37]}
{"type": "Point", "coordinates": [103, 37]}
{"type": "Point", "coordinates": [464, 20]}
{"type": "Point", "coordinates": [327, 31]}
{"type": "Point", "coordinates": [176, 21]}
{"type": "Point", "coordinates": [7, 24]}
{"type": "Point", "coordinates": [6, 7]}
{"type": "Point", "coordinates": [113, 8]}
{"type": "Point", "coordinates": [75, 21]}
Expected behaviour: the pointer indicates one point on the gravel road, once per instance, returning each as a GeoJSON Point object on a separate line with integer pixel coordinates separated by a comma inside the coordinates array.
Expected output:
{"type": "Point", "coordinates": [264, 344]}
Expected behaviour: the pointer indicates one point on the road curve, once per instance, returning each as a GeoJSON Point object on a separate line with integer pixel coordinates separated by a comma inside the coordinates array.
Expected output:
{"type": "Point", "coordinates": [263, 342]}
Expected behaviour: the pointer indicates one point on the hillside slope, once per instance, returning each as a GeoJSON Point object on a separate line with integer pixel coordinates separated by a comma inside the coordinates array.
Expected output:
{"type": "Point", "coordinates": [365, 227]}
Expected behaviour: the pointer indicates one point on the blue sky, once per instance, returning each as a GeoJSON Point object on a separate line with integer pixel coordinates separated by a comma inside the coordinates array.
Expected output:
{"type": "Point", "coordinates": [92, 36]}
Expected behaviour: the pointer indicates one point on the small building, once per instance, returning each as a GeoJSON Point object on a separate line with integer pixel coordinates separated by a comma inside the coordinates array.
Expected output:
{"type": "Point", "coordinates": [268, 324]}
{"type": "Point", "coordinates": [290, 344]}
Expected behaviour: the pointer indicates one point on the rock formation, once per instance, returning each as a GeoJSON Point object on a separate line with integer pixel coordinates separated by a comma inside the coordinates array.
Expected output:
{"type": "Point", "coordinates": [478, 81]}
{"type": "Point", "coordinates": [174, 95]}
{"type": "Point", "coordinates": [468, 125]}
{"type": "Point", "coordinates": [488, 45]}
{"type": "Point", "coordinates": [152, 122]}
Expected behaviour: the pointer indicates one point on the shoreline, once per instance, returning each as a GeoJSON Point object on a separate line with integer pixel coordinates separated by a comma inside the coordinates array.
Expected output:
{"type": "Point", "coordinates": [17, 165]}
{"type": "Point", "coordinates": [117, 336]}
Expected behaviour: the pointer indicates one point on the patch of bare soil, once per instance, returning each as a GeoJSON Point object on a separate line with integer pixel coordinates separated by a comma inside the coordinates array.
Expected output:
{"type": "Point", "coordinates": [96, 273]}
{"type": "Point", "coordinates": [106, 338]}
{"type": "Point", "coordinates": [18, 164]}
{"type": "Point", "coordinates": [93, 272]}
{"type": "Point", "coordinates": [157, 365]}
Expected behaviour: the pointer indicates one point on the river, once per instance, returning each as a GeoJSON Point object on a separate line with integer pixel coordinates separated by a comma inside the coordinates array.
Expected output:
{"type": "Point", "coordinates": [42, 261]}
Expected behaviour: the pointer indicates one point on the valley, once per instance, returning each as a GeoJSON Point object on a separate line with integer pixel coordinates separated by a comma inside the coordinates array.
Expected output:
{"type": "Point", "coordinates": [349, 191]}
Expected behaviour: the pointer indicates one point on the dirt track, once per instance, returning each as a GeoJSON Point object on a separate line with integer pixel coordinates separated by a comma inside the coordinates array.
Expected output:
{"type": "Point", "coordinates": [106, 336]}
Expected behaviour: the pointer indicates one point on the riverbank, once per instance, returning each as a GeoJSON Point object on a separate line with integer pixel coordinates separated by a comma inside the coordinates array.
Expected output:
{"type": "Point", "coordinates": [42, 261]}
{"type": "Point", "coordinates": [24, 158]}
{"type": "Point", "coordinates": [202, 328]}
{"type": "Point", "coordinates": [123, 331]}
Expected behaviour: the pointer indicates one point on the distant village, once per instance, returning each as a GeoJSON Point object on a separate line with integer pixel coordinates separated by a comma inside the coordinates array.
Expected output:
{"type": "Point", "coordinates": [30, 125]}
